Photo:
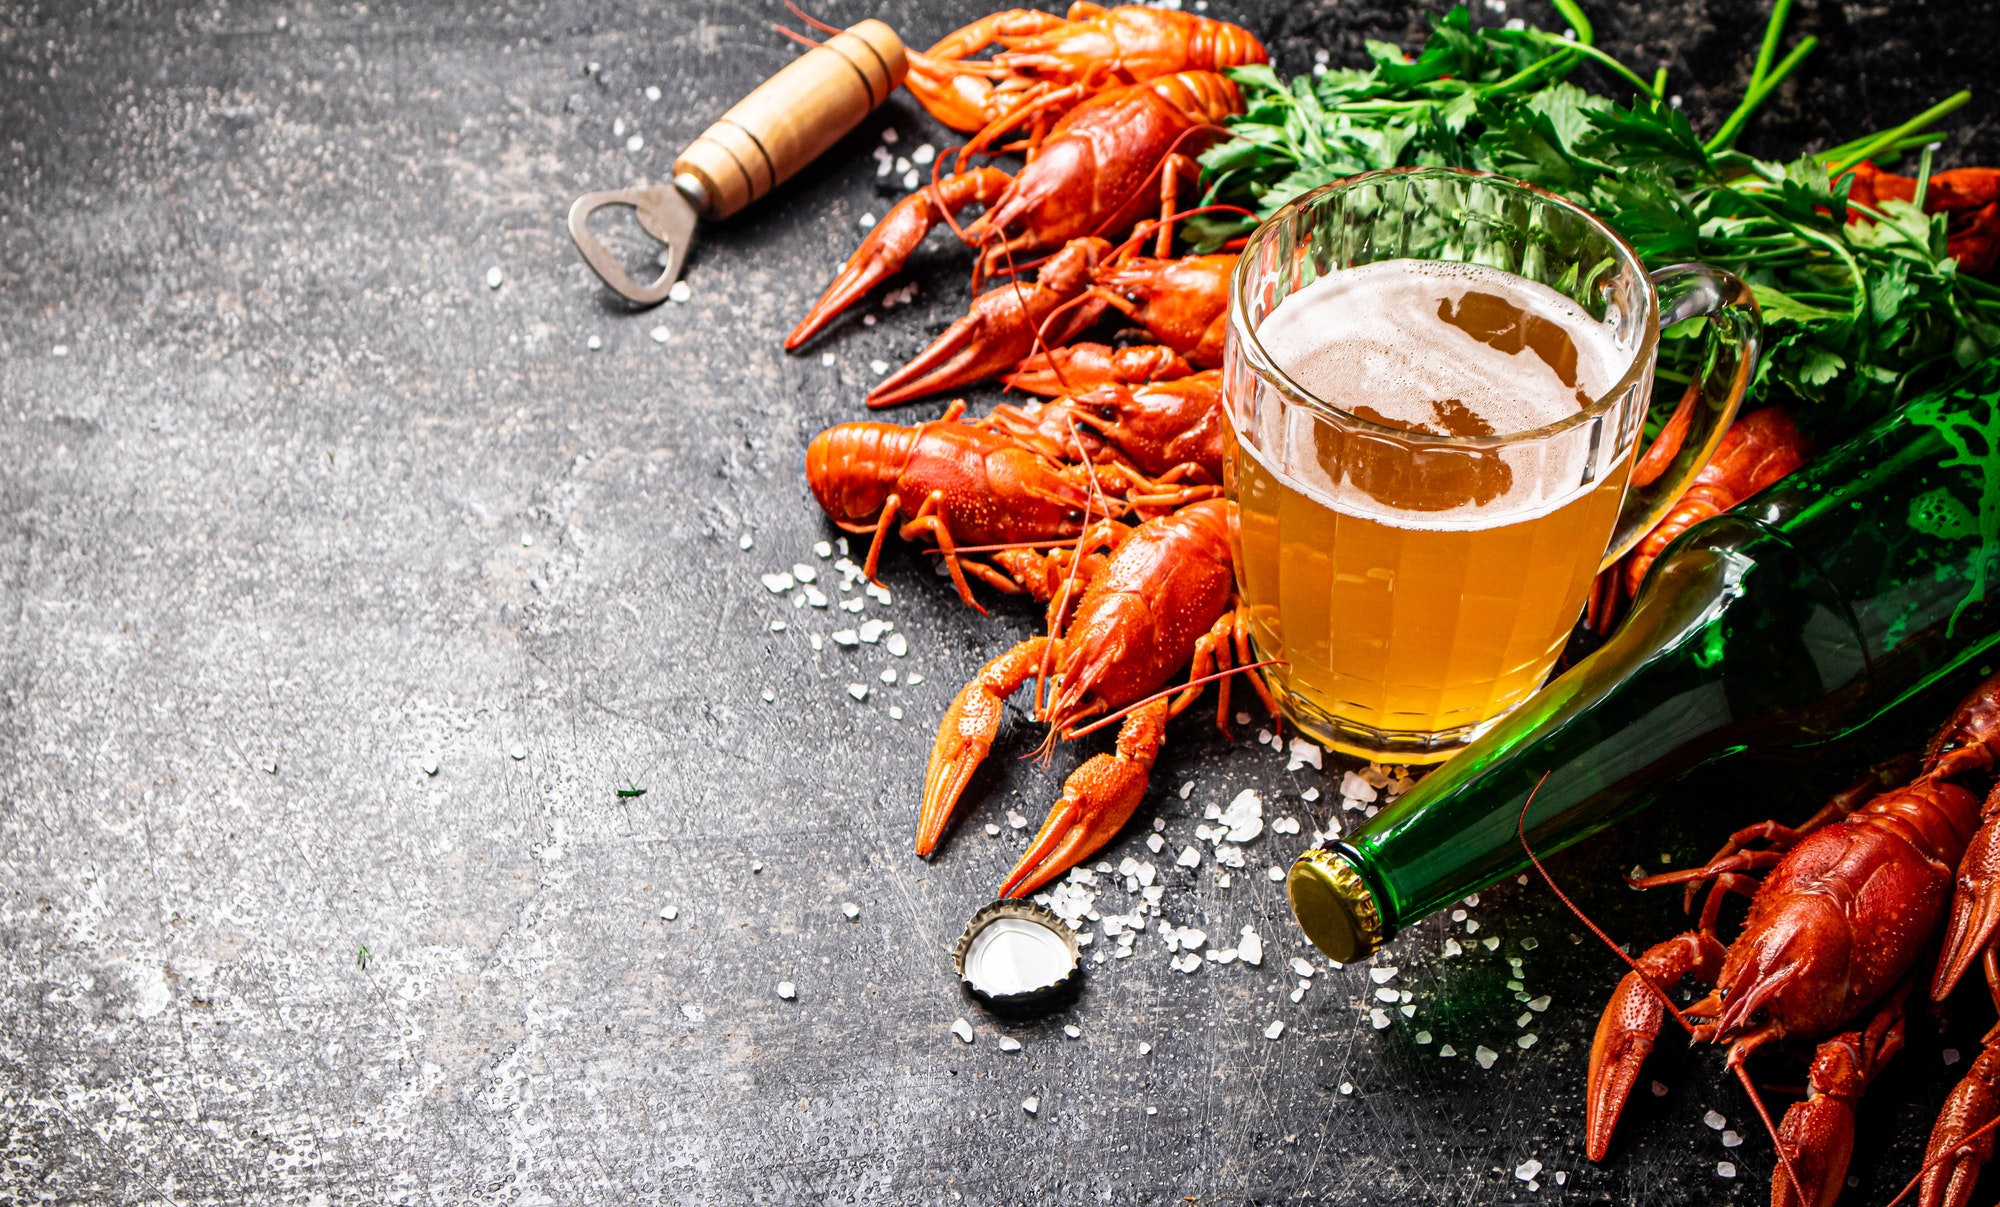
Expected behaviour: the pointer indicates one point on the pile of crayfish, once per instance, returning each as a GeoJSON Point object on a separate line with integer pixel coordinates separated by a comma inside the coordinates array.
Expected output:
{"type": "Point", "coordinates": [1841, 927]}
{"type": "Point", "coordinates": [1103, 503]}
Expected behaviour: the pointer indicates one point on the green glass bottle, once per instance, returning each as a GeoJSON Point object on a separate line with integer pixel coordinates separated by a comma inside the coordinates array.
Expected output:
{"type": "Point", "coordinates": [1792, 621]}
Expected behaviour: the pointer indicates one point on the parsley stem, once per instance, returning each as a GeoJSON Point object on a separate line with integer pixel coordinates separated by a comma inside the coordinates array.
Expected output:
{"type": "Point", "coordinates": [1577, 21]}
{"type": "Point", "coordinates": [1601, 59]}
{"type": "Point", "coordinates": [1773, 30]}
{"type": "Point", "coordinates": [1842, 158]}
{"type": "Point", "coordinates": [1761, 86]}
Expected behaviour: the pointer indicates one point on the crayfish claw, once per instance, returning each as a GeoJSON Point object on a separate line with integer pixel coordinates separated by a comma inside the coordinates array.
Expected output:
{"type": "Point", "coordinates": [1975, 907]}
{"type": "Point", "coordinates": [1630, 1026]}
{"type": "Point", "coordinates": [1955, 1155]}
{"type": "Point", "coordinates": [1097, 801]}
{"type": "Point", "coordinates": [1816, 1136]}
{"type": "Point", "coordinates": [966, 734]}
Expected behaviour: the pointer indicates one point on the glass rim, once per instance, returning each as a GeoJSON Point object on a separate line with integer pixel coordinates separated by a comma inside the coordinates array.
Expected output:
{"type": "Point", "coordinates": [1261, 360]}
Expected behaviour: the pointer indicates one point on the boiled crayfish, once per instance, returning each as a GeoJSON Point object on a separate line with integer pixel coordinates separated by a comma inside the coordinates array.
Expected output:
{"type": "Point", "coordinates": [1848, 905]}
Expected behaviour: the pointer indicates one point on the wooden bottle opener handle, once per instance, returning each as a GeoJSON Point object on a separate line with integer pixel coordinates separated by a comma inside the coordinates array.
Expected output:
{"type": "Point", "coordinates": [791, 118]}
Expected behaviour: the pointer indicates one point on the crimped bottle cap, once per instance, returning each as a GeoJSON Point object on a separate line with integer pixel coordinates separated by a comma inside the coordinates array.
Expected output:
{"type": "Point", "coordinates": [1334, 905]}
{"type": "Point", "coordinates": [1014, 952]}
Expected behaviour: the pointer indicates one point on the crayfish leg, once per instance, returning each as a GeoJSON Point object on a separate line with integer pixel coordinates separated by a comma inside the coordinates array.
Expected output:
{"type": "Point", "coordinates": [1097, 801]}
{"type": "Point", "coordinates": [1954, 1158]}
{"type": "Point", "coordinates": [1630, 1026]}
{"type": "Point", "coordinates": [966, 734]}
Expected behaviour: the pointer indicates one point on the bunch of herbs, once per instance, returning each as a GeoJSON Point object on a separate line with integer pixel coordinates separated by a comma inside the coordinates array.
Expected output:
{"type": "Point", "coordinates": [1857, 314]}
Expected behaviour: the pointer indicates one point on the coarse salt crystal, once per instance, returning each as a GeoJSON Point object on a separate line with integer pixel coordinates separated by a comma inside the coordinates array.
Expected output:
{"type": "Point", "coordinates": [1155, 843]}
{"type": "Point", "coordinates": [992, 831]}
{"type": "Point", "coordinates": [866, 222]}
{"type": "Point", "coordinates": [1451, 948]}
{"type": "Point", "coordinates": [652, 92]}
{"type": "Point", "coordinates": [778, 583]}
{"type": "Point", "coordinates": [1527, 1041]}
{"type": "Point", "coordinates": [1378, 1017]}
{"type": "Point", "coordinates": [1302, 754]}
{"type": "Point", "coordinates": [1485, 1056]}
{"type": "Point", "coordinates": [635, 144]}
{"type": "Point", "coordinates": [1145, 1048]}
{"type": "Point", "coordinates": [787, 990]}
{"type": "Point", "coordinates": [895, 713]}
{"type": "Point", "coordinates": [963, 1030]}
{"type": "Point", "coordinates": [1447, 1051]}
{"type": "Point", "coordinates": [1309, 795]}
{"type": "Point", "coordinates": [1245, 816]}
{"type": "Point", "coordinates": [888, 675]}
{"type": "Point", "coordinates": [1353, 787]}
{"type": "Point", "coordinates": [494, 279]}
{"type": "Point", "coordinates": [1073, 1031]}
{"type": "Point", "coordinates": [1715, 1120]}
{"type": "Point", "coordinates": [1423, 1037]}
{"type": "Point", "coordinates": [1539, 1004]}
{"type": "Point", "coordinates": [770, 697]}
{"type": "Point", "coordinates": [852, 910]}
{"type": "Point", "coordinates": [660, 334]}
{"type": "Point", "coordinates": [670, 913]}
{"type": "Point", "coordinates": [1382, 976]}
{"type": "Point", "coordinates": [1189, 857]}
{"type": "Point", "coordinates": [1274, 873]}
{"type": "Point", "coordinates": [846, 637]}
{"type": "Point", "coordinates": [1032, 1103]}
{"type": "Point", "coordinates": [1386, 994]}
{"type": "Point", "coordinates": [858, 690]}
{"type": "Point", "coordinates": [1016, 821]}
{"type": "Point", "coordinates": [923, 154]}
{"type": "Point", "coordinates": [878, 368]}
{"type": "Point", "coordinates": [746, 542]}
{"type": "Point", "coordinates": [1472, 928]}
{"type": "Point", "coordinates": [1250, 947]}
{"type": "Point", "coordinates": [1724, 1169]}
{"type": "Point", "coordinates": [1731, 1140]}
{"type": "Point", "coordinates": [1301, 967]}
{"type": "Point", "coordinates": [1527, 1169]}
{"type": "Point", "coordinates": [680, 292]}
{"type": "Point", "coordinates": [1524, 1020]}
{"type": "Point", "coordinates": [1951, 1056]}
{"type": "Point", "coordinates": [593, 343]}
{"type": "Point", "coordinates": [1009, 1044]}
{"type": "Point", "coordinates": [1276, 1029]}
{"type": "Point", "coordinates": [897, 647]}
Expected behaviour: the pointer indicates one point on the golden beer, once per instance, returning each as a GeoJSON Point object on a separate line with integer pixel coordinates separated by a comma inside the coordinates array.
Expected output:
{"type": "Point", "coordinates": [1437, 380]}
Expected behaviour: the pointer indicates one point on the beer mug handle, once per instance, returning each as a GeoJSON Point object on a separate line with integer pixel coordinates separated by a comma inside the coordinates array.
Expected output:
{"type": "Point", "coordinates": [1693, 291]}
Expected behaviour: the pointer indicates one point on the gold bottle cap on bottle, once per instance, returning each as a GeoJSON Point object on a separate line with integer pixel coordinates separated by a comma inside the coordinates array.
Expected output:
{"type": "Point", "coordinates": [1334, 906]}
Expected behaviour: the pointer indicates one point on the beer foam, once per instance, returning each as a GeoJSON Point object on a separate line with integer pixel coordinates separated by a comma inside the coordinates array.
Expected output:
{"type": "Point", "coordinates": [1448, 348]}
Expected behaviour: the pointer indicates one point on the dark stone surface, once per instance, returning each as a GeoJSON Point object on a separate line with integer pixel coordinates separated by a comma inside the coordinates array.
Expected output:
{"type": "Point", "coordinates": [305, 505]}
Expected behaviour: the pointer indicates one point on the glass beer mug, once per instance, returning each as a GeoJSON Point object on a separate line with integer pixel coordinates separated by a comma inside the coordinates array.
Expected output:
{"type": "Point", "coordinates": [1413, 581]}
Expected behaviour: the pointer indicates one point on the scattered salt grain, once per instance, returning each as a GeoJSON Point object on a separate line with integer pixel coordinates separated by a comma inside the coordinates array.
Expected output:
{"type": "Point", "coordinates": [635, 144]}
{"type": "Point", "coordinates": [858, 690]}
{"type": "Point", "coordinates": [660, 334]}
{"type": "Point", "coordinates": [1303, 753]}
{"type": "Point", "coordinates": [852, 910]}
{"type": "Point", "coordinates": [897, 647]}
{"type": "Point", "coordinates": [1382, 976]}
{"type": "Point", "coordinates": [1423, 1037]}
{"type": "Point", "coordinates": [593, 343]}
{"type": "Point", "coordinates": [1016, 821]}
{"type": "Point", "coordinates": [923, 154]}
{"type": "Point", "coordinates": [1715, 1120]}
{"type": "Point", "coordinates": [817, 644]}
{"type": "Point", "coordinates": [1285, 825]}
{"type": "Point", "coordinates": [680, 293]}
{"type": "Point", "coordinates": [1155, 843]}
{"type": "Point", "coordinates": [1298, 995]}
{"type": "Point", "coordinates": [846, 637]}
{"type": "Point", "coordinates": [787, 990]}
{"type": "Point", "coordinates": [494, 278]}
{"type": "Point", "coordinates": [1301, 967]}
{"type": "Point", "coordinates": [866, 222]}
{"type": "Point", "coordinates": [1485, 1056]}
{"type": "Point", "coordinates": [1222, 880]}
{"type": "Point", "coordinates": [770, 697]}
{"type": "Point", "coordinates": [1527, 1169]}
{"type": "Point", "coordinates": [1527, 1041]}
{"type": "Point", "coordinates": [517, 752]}
{"type": "Point", "coordinates": [911, 179]}
{"type": "Point", "coordinates": [888, 676]}
{"type": "Point", "coordinates": [1539, 1004]}
{"type": "Point", "coordinates": [1447, 1051]}
{"type": "Point", "coordinates": [1731, 1140]}
{"type": "Point", "coordinates": [1145, 1048]}
{"type": "Point", "coordinates": [1659, 1089]}
{"type": "Point", "coordinates": [1242, 718]}
{"type": "Point", "coordinates": [1244, 817]}
{"type": "Point", "coordinates": [1386, 994]}
{"type": "Point", "coordinates": [1723, 1169]}
{"type": "Point", "coordinates": [1524, 1020]}
{"type": "Point", "coordinates": [1451, 948]}
{"type": "Point", "coordinates": [1274, 1030]}
{"type": "Point", "coordinates": [1353, 787]}
{"type": "Point", "coordinates": [878, 367]}
{"type": "Point", "coordinates": [1309, 795]}
{"type": "Point", "coordinates": [1378, 1017]}
{"type": "Point", "coordinates": [63, 349]}
{"type": "Point", "coordinates": [1189, 856]}
{"type": "Point", "coordinates": [963, 1030]}
{"type": "Point", "coordinates": [1530, 943]}
{"type": "Point", "coordinates": [1187, 789]}
{"type": "Point", "coordinates": [1490, 944]}
{"type": "Point", "coordinates": [1250, 947]}
{"type": "Point", "coordinates": [1950, 1056]}
{"type": "Point", "coordinates": [895, 713]}
{"type": "Point", "coordinates": [671, 913]}
{"type": "Point", "coordinates": [1274, 873]}
{"type": "Point", "coordinates": [1073, 1031]}
{"type": "Point", "coordinates": [1009, 1044]}
{"type": "Point", "coordinates": [992, 831]}
{"type": "Point", "coordinates": [652, 92]}
{"type": "Point", "coordinates": [1472, 928]}
{"type": "Point", "coordinates": [1032, 1103]}
{"type": "Point", "coordinates": [804, 572]}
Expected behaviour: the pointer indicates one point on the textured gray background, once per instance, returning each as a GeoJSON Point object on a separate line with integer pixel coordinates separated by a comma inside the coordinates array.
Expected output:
{"type": "Point", "coordinates": [305, 503]}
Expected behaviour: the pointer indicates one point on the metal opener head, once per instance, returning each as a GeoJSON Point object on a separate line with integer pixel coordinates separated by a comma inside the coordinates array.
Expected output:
{"type": "Point", "coordinates": [664, 213]}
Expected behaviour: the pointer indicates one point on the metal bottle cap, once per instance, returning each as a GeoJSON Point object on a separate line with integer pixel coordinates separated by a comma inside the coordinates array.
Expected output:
{"type": "Point", "coordinates": [1013, 952]}
{"type": "Point", "coordinates": [1334, 906]}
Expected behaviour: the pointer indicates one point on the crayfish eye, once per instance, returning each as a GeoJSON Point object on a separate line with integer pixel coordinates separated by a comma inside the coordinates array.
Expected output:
{"type": "Point", "coordinates": [1107, 412]}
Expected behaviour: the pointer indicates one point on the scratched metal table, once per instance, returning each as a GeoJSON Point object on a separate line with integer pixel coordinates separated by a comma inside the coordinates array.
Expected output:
{"type": "Point", "coordinates": [340, 595]}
